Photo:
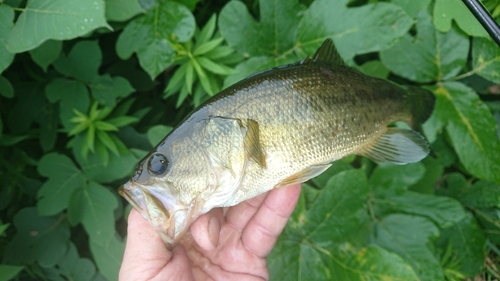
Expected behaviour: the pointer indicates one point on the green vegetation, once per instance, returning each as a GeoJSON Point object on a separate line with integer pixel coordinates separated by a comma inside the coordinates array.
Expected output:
{"type": "Point", "coordinates": [87, 87]}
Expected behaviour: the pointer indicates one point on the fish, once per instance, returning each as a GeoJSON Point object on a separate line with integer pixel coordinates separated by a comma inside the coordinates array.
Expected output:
{"type": "Point", "coordinates": [275, 128]}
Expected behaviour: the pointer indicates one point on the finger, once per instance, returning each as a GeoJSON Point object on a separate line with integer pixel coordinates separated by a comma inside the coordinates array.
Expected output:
{"type": "Point", "coordinates": [206, 229]}
{"type": "Point", "coordinates": [239, 215]}
{"type": "Point", "coordinates": [262, 231]}
{"type": "Point", "coordinates": [145, 253]}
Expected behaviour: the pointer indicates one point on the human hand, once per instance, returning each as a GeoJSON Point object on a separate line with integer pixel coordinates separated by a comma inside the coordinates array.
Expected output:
{"type": "Point", "coordinates": [224, 244]}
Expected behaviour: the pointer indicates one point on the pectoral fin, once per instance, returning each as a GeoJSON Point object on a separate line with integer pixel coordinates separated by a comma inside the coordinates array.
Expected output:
{"type": "Point", "coordinates": [252, 143]}
{"type": "Point", "coordinates": [398, 146]}
{"type": "Point", "coordinates": [304, 175]}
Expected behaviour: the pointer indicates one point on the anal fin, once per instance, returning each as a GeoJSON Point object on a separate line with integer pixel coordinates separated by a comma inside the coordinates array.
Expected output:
{"type": "Point", "coordinates": [397, 146]}
{"type": "Point", "coordinates": [304, 175]}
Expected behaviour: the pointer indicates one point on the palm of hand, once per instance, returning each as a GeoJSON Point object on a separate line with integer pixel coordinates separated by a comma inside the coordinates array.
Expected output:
{"type": "Point", "coordinates": [230, 246]}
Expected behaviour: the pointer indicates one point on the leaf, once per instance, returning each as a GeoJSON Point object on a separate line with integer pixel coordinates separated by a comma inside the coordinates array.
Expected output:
{"type": "Point", "coordinates": [157, 133]}
{"type": "Point", "coordinates": [108, 256]}
{"type": "Point", "coordinates": [92, 206]}
{"type": "Point", "coordinates": [84, 54]}
{"type": "Point", "coordinates": [375, 68]}
{"type": "Point", "coordinates": [6, 89]}
{"type": "Point", "coordinates": [394, 179]}
{"type": "Point", "coordinates": [430, 55]}
{"type": "Point", "coordinates": [6, 26]}
{"type": "Point", "coordinates": [46, 53]}
{"type": "Point", "coordinates": [27, 107]}
{"type": "Point", "coordinates": [55, 19]}
{"type": "Point", "coordinates": [38, 238]}
{"type": "Point", "coordinates": [59, 89]}
{"type": "Point", "coordinates": [412, 7]}
{"type": "Point", "coordinates": [73, 267]}
{"type": "Point", "coordinates": [64, 179]}
{"type": "Point", "coordinates": [49, 123]}
{"type": "Point", "coordinates": [215, 67]}
{"type": "Point", "coordinates": [119, 10]}
{"type": "Point", "coordinates": [447, 10]}
{"type": "Point", "coordinates": [8, 272]}
{"type": "Point", "coordinates": [151, 36]}
{"type": "Point", "coordinates": [482, 194]}
{"type": "Point", "coordinates": [489, 220]}
{"type": "Point", "coordinates": [471, 128]}
{"type": "Point", "coordinates": [408, 236]}
{"type": "Point", "coordinates": [122, 121]}
{"type": "Point", "coordinates": [106, 89]}
{"type": "Point", "coordinates": [486, 59]}
{"type": "Point", "coordinates": [468, 242]}
{"type": "Point", "coordinates": [358, 30]}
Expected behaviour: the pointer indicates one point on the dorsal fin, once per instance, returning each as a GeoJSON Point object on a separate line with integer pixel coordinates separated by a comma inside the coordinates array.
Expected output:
{"type": "Point", "coordinates": [325, 53]}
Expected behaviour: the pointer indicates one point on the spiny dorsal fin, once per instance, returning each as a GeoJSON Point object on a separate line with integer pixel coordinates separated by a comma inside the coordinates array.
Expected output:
{"type": "Point", "coordinates": [326, 53]}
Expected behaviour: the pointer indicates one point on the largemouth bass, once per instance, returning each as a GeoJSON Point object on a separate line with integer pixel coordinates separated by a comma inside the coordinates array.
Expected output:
{"type": "Point", "coordinates": [275, 128]}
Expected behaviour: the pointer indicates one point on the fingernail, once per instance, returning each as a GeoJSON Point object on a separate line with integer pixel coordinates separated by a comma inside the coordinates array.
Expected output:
{"type": "Point", "coordinates": [213, 231]}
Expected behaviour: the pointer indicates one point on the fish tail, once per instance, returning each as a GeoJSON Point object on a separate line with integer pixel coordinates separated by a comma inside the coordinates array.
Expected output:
{"type": "Point", "coordinates": [420, 103]}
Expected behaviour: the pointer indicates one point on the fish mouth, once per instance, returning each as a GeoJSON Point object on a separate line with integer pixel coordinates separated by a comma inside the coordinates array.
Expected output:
{"type": "Point", "coordinates": [165, 213]}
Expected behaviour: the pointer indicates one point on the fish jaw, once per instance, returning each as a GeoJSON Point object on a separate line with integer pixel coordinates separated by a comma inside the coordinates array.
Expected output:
{"type": "Point", "coordinates": [169, 217]}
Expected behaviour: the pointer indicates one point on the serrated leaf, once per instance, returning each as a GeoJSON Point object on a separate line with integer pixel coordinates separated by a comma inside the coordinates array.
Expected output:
{"type": "Point", "coordinates": [119, 10]}
{"type": "Point", "coordinates": [471, 128]}
{"type": "Point", "coordinates": [157, 133]}
{"type": "Point", "coordinates": [150, 36]}
{"type": "Point", "coordinates": [8, 272]}
{"type": "Point", "coordinates": [82, 62]}
{"type": "Point", "coordinates": [38, 238]}
{"type": "Point", "coordinates": [108, 256]}
{"type": "Point", "coordinates": [447, 10]}
{"type": "Point", "coordinates": [408, 236]}
{"type": "Point", "coordinates": [46, 53]}
{"type": "Point", "coordinates": [92, 206]}
{"type": "Point", "coordinates": [55, 19]}
{"type": "Point", "coordinates": [6, 89]}
{"type": "Point", "coordinates": [106, 89]}
{"type": "Point", "coordinates": [486, 59]}
{"type": "Point", "coordinates": [63, 178]}
{"type": "Point", "coordinates": [6, 26]}
{"type": "Point", "coordinates": [430, 55]}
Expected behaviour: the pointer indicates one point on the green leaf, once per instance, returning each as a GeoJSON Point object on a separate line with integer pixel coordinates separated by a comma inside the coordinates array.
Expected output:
{"type": "Point", "coordinates": [55, 19]}
{"type": "Point", "coordinates": [38, 238]}
{"type": "Point", "coordinates": [64, 178]}
{"type": "Point", "coordinates": [375, 68]}
{"type": "Point", "coordinates": [412, 7]}
{"type": "Point", "coordinates": [72, 267]}
{"type": "Point", "coordinates": [82, 62]}
{"type": "Point", "coordinates": [119, 10]}
{"type": "Point", "coordinates": [215, 67]}
{"type": "Point", "coordinates": [59, 90]}
{"type": "Point", "coordinates": [46, 53]}
{"type": "Point", "coordinates": [93, 206]}
{"type": "Point", "coordinates": [8, 272]}
{"type": "Point", "coordinates": [157, 133]}
{"type": "Point", "coordinates": [468, 242]}
{"type": "Point", "coordinates": [104, 126]}
{"type": "Point", "coordinates": [107, 142]}
{"type": "Point", "coordinates": [6, 88]}
{"type": "Point", "coordinates": [208, 46]}
{"type": "Point", "coordinates": [151, 36]}
{"type": "Point", "coordinates": [357, 30]}
{"type": "Point", "coordinates": [189, 76]}
{"type": "Point", "coordinates": [394, 179]}
{"type": "Point", "coordinates": [408, 236]}
{"type": "Point", "coordinates": [6, 26]}
{"type": "Point", "coordinates": [482, 194]}
{"type": "Point", "coordinates": [430, 55]}
{"type": "Point", "coordinates": [3, 227]}
{"type": "Point", "coordinates": [106, 89]}
{"type": "Point", "coordinates": [49, 124]}
{"type": "Point", "coordinates": [122, 121]}
{"type": "Point", "coordinates": [27, 109]}
{"type": "Point", "coordinates": [205, 34]}
{"type": "Point", "coordinates": [108, 256]}
{"type": "Point", "coordinates": [471, 128]}
{"type": "Point", "coordinates": [447, 10]}
{"type": "Point", "coordinates": [486, 59]}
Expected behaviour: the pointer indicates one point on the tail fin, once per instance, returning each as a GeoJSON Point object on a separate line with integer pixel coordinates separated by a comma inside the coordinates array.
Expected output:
{"type": "Point", "coordinates": [421, 103]}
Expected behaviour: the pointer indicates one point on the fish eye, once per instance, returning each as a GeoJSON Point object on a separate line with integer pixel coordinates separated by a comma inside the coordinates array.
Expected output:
{"type": "Point", "coordinates": [157, 164]}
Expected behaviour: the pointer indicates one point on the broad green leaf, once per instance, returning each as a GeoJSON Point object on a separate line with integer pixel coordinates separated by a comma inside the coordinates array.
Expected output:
{"type": "Point", "coordinates": [108, 256]}
{"type": "Point", "coordinates": [272, 36]}
{"type": "Point", "coordinates": [447, 10]}
{"type": "Point", "coordinates": [46, 53]}
{"type": "Point", "coordinates": [482, 194]}
{"type": "Point", "coordinates": [38, 238]}
{"type": "Point", "coordinates": [444, 211]}
{"type": "Point", "coordinates": [157, 133]}
{"type": "Point", "coordinates": [8, 272]}
{"type": "Point", "coordinates": [63, 179]}
{"type": "Point", "coordinates": [471, 128]}
{"type": "Point", "coordinates": [486, 59]}
{"type": "Point", "coordinates": [468, 242]}
{"type": "Point", "coordinates": [375, 68]}
{"type": "Point", "coordinates": [151, 36]}
{"type": "Point", "coordinates": [92, 206]}
{"type": "Point", "coordinates": [106, 89]}
{"type": "Point", "coordinates": [394, 179]}
{"type": "Point", "coordinates": [82, 62]}
{"type": "Point", "coordinates": [71, 95]}
{"type": "Point", "coordinates": [55, 19]}
{"type": "Point", "coordinates": [248, 67]}
{"type": "Point", "coordinates": [6, 89]}
{"type": "Point", "coordinates": [6, 26]}
{"type": "Point", "coordinates": [489, 220]}
{"type": "Point", "coordinates": [412, 7]}
{"type": "Point", "coordinates": [72, 267]}
{"type": "Point", "coordinates": [122, 10]}
{"type": "Point", "coordinates": [371, 263]}
{"type": "Point", "coordinates": [357, 30]}
{"type": "Point", "coordinates": [408, 236]}
{"type": "Point", "coordinates": [428, 56]}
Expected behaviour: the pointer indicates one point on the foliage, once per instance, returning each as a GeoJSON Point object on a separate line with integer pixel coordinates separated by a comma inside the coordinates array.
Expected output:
{"type": "Point", "coordinates": [81, 79]}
